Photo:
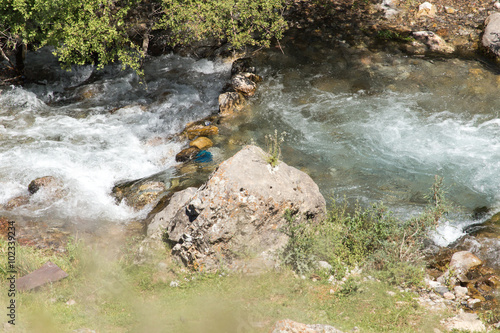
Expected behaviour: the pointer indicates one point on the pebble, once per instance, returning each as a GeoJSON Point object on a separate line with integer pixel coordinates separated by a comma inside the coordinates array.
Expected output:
{"type": "Point", "coordinates": [449, 295]}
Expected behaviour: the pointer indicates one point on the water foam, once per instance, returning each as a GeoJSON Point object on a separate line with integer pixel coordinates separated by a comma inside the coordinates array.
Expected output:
{"type": "Point", "coordinates": [117, 131]}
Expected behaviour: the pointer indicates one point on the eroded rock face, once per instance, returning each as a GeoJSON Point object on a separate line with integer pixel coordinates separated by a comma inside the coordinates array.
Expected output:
{"type": "Point", "coordinates": [239, 211]}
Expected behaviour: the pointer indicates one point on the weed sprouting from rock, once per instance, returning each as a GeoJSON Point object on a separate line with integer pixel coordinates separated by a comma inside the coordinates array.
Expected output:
{"type": "Point", "coordinates": [273, 145]}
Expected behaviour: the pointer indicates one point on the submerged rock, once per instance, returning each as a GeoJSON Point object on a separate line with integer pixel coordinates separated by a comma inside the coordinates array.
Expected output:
{"type": "Point", "coordinates": [201, 143]}
{"type": "Point", "coordinates": [200, 130]}
{"type": "Point", "coordinates": [139, 194]}
{"type": "Point", "coordinates": [17, 202]}
{"type": "Point", "coordinates": [187, 154]}
{"type": "Point", "coordinates": [239, 212]}
{"type": "Point", "coordinates": [48, 182]}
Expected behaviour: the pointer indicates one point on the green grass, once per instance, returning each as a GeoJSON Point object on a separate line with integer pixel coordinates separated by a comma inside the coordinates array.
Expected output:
{"type": "Point", "coordinates": [112, 294]}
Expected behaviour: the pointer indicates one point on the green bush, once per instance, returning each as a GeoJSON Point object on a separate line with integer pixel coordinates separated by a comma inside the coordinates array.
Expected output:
{"type": "Point", "coordinates": [371, 237]}
{"type": "Point", "coordinates": [239, 22]}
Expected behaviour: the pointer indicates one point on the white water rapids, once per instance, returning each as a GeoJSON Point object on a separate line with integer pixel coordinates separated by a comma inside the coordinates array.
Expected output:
{"type": "Point", "coordinates": [368, 126]}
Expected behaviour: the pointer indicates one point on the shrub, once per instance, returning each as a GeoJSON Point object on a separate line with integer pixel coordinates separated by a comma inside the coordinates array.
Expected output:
{"type": "Point", "coordinates": [373, 237]}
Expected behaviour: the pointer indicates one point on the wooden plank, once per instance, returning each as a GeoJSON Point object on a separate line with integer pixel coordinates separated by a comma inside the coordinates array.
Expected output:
{"type": "Point", "coordinates": [49, 272]}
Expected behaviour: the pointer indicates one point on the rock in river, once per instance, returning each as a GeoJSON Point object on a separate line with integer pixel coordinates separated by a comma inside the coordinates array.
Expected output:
{"type": "Point", "coordinates": [238, 213]}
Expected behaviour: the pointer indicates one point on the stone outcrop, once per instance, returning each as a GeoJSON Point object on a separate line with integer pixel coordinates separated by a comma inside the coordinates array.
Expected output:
{"type": "Point", "coordinates": [239, 212]}
{"type": "Point", "coordinates": [290, 326]}
{"type": "Point", "coordinates": [491, 36]}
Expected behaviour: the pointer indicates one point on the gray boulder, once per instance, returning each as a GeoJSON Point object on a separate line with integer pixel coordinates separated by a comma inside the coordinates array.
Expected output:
{"type": "Point", "coordinates": [238, 213]}
{"type": "Point", "coordinates": [491, 36]}
{"type": "Point", "coordinates": [159, 222]}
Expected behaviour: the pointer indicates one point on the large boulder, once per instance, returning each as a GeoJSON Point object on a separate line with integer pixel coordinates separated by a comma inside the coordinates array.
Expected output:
{"type": "Point", "coordinates": [491, 36]}
{"type": "Point", "coordinates": [239, 212]}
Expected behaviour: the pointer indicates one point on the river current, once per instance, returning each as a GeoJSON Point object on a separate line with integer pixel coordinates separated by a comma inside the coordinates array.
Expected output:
{"type": "Point", "coordinates": [366, 125]}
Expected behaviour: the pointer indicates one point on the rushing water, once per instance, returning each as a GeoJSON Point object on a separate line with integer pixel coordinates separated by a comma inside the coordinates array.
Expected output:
{"type": "Point", "coordinates": [367, 125]}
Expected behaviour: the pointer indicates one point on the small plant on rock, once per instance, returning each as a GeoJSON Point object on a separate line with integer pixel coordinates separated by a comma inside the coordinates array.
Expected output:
{"type": "Point", "coordinates": [273, 144]}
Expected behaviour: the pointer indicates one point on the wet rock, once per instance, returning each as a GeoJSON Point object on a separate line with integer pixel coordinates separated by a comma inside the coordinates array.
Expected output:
{"type": "Point", "coordinates": [17, 202]}
{"type": "Point", "coordinates": [50, 183]}
{"type": "Point", "coordinates": [491, 36]}
{"type": "Point", "coordinates": [203, 156]}
{"type": "Point", "coordinates": [187, 154]}
{"type": "Point", "coordinates": [433, 42]}
{"type": "Point", "coordinates": [242, 65]}
{"type": "Point", "coordinates": [139, 194]}
{"type": "Point", "coordinates": [201, 130]}
{"type": "Point", "coordinates": [427, 9]}
{"type": "Point", "coordinates": [244, 85]}
{"type": "Point", "coordinates": [239, 212]}
{"type": "Point", "coordinates": [230, 102]}
{"type": "Point", "coordinates": [201, 143]}
{"type": "Point", "coordinates": [252, 77]}
{"type": "Point", "coordinates": [460, 264]}
{"type": "Point", "coordinates": [290, 326]}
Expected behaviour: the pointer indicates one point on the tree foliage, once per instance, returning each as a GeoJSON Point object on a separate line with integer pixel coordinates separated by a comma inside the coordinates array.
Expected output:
{"type": "Point", "coordinates": [99, 31]}
{"type": "Point", "coordinates": [240, 22]}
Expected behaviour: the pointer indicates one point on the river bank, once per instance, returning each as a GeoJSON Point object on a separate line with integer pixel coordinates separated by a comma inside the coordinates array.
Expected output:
{"type": "Point", "coordinates": [295, 92]}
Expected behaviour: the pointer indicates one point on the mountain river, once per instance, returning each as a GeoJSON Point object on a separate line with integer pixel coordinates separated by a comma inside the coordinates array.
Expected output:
{"type": "Point", "coordinates": [367, 125]}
